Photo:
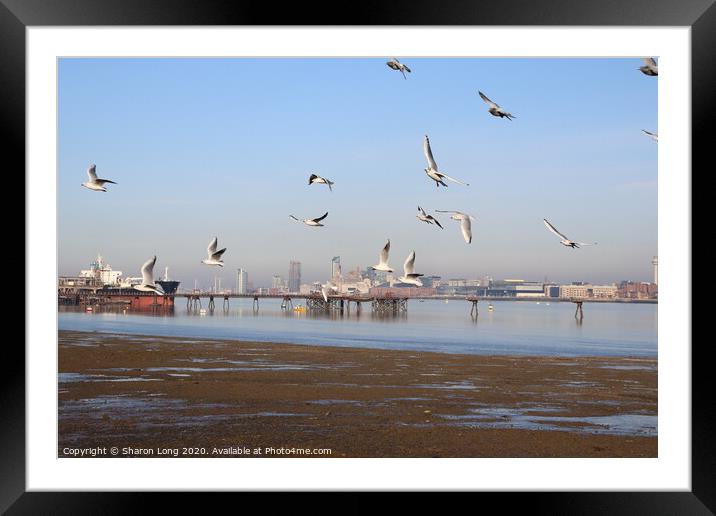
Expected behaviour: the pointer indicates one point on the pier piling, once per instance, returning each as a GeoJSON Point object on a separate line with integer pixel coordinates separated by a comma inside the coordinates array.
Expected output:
{"type": "Point", "coordinates": [578, 313]}
{"type": "Point", "coordinates": [473, 308]}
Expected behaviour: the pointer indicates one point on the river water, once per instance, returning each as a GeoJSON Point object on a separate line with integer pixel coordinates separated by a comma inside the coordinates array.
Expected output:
{"type": "Point", "coordinates": [520, 328]}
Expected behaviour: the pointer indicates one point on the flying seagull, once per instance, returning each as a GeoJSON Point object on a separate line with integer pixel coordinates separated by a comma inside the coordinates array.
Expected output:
{"type": "Point", "coordinates": [96, 184]}
{"type": "Point", "coordinates": [408, 268]}
{"type": "Point", "coordinates": [650, 68]}
{"type": "Point", "coordinates": [311, 222]}
{"type": "Point", "coordinates": [427, 218]}
{"type": "Point", "coordinates": [397, 65]}
{"type": "Point", "coordinates": [383, 260]}
{"type": "Point", "coordinates": [320, 180]}
{"type": "Point", "coordinates": [214, 256]}
{"type": "Point", "coordinates": [563, 239]}
{"type": "Point", "coordinates": [495, 109]}
{"type": "Point", "coordinates": [148, 284]}
{"type": "Point", "coordinates": [465, 224]}
{"type": "Point", "coordinates": [326, 288]}
{"type": "Point", "coordinates": [432, 170]}
{"type": "Point", "coordinates": [653, 136]}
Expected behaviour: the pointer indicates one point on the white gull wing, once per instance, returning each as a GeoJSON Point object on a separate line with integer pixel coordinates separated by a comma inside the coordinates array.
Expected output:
{"type": "Point", "coordinates": [92, 173]}
{"type": "Point", "coordinates": [212, 247]}
{"type": "Point", "coordinates": [384, 254]}
{"type": "Point", "coordinates": [148, 271]}
{"type": "Point", "coordinates": [325, 289]}
{"type": "Point", "coordinates": [429, 154]}
{"type": "Point", "coordinates": [409, 265]}
{"type": "Point", "coordinates": [458, 214]}
{"type": "Point", "coordinates": [422, 211]}
{"type": "Point", "coordinates": [466, 227]}
{"type": "Point", "coordinates": [554, 230]}
{"type": "Point", "coordinates": [650, 61]}
{"type": "Point", "coordinates": [454, 180]}
{"type": "Point", "coordinates": [487, 101]}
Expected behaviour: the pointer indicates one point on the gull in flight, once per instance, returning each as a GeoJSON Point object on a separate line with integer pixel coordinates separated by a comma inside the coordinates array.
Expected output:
{"type": "Point", "coordinates": [96, 184]}
{"type": "Point", "coordinates": [383, 260]}
{"type": "Point", "coordinates": [397, 65]}
{"type": "Point", "coordinates": [432, 170]}
{"type": "Point", "coordinates": [320, 180]}
{"type": "Point", "coordinates": [214, 256]}
{"type": "Point", "coordinates": [563, 239]}
{"type": "Point", "coordinates": [427, 218]}
{"type": "Point", "coordinates": [408, 268]}
{"type": "Point", "coordinates": [326, 288]}
{"type": "Point", "coordinates": [465, 224]}
{"type": "Point", "coordinates": [495, 109]}
{"type": "Point", "coordinates": [653, 136]}
{"type": "Point", "coordinates": [311, 222]}
{"type": "Point", "coordinates": [148, 284]}
{"type": "Point", "coordinates": [650, 68]}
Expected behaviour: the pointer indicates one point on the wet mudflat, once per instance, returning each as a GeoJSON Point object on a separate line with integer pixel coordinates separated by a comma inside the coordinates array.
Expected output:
{"type": "Point", "coordinates": [214, 398]}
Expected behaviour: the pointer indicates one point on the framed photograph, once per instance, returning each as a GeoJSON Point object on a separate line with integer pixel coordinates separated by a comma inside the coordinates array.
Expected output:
{"type": "Point", "coordinates": [423, 251]}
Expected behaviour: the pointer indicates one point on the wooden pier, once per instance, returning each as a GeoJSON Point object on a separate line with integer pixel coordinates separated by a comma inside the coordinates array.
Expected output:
{"type": "Point", "coordinates": [314, 301]}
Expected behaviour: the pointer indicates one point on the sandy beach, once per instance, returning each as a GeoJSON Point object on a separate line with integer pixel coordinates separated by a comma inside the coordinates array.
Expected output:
{"type": "Point", "coordinates": [166, 396]}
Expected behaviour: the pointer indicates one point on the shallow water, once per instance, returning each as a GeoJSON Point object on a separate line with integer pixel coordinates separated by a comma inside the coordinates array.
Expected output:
{"type": "Point", "coordinates": [616, 424]}
{"type": "Point", "coordinates": [519, 328]}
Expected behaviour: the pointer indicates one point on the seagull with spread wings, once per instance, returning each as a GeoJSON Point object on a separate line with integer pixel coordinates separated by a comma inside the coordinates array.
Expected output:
{"type": "Point", "coordinates": [311, 222]}
{"type": "Point", "coordinates": [214, 256]}
{"type": "Point", "coordinates": [397, 65]}
{"type": "Point", "coordinates": [432, 170]}
{"type": "Point", "coordinates": [320, 180]}
{"type": "Point", "coordinates": [495, 109]}
{"type": "Point", "coordinates": [563, 239]}
{"type": "Point", "coordinates": [94, 183]}
{"type": "Point", "coordinates": [650, 67]}
{"type": "Point", "coordinates": [427, 218]}
{"type": "Point", "coordinates": [465, 224]}
{"type": "Point", "coordinates": [409, 276]}
{"type": "Point", "coordinates": [148, 284]}
{"type": "Point", "coordinates": [383, 259]}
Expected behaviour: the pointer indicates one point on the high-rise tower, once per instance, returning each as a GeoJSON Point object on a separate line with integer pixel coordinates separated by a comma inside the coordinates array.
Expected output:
{"type": "Point", "coordinates": [655, 263]}
{"type": "Point", "coordinates": [294, 276]}
{"type": "Point", "coordinates": [336, 267]}
{"type": "Point", "coordinates": [242, 281]}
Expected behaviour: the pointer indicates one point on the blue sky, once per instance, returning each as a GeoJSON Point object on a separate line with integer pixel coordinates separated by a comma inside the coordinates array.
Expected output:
{"type": "Point", "coordinates": [205, 147]}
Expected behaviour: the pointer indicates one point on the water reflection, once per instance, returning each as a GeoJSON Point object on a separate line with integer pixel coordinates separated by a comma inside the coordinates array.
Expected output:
{"type": "Point", "coordinates": [511, 327]}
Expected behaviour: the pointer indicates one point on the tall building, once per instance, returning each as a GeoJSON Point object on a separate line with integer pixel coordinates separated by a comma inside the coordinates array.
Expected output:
{"type": "Point", "coordinates": [277, 282]}
{"type": "Point", "coordinates": [242, 281]}
{"type": "Point", "coordinates": [294, 276]}
{"type": "Point", "coordinates": [655, 263]}
{"type": "Point", "coordinates": [336, 267]}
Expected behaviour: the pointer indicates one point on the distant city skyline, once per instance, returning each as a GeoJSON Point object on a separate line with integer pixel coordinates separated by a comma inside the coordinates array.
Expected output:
{"type": "Point", "coordinates": [225, 147]}
{"type": "Point", "coordinates": [278, 281]}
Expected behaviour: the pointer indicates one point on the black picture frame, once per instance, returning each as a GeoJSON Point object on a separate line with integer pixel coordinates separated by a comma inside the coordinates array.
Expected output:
{"type": "Point", "coordinates": [17, 15]}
